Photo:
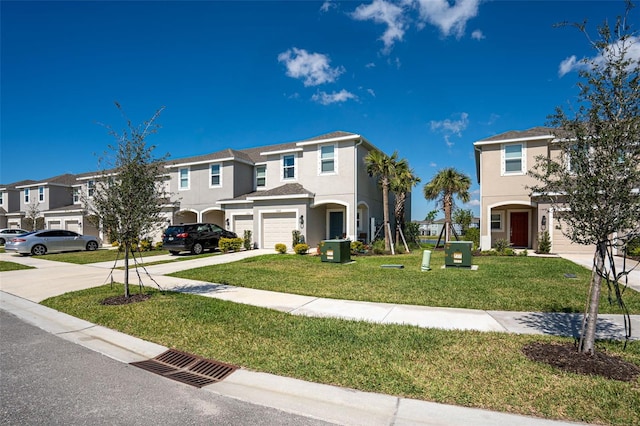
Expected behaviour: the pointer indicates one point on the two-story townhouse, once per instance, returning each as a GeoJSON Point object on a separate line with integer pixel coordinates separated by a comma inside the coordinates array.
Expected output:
{"type": "Point", "coordinates": [508, 210]}
{"type": "Point", "coordinates": [10, 204]}
{"type": "Point", "coordinates": [318, 186]}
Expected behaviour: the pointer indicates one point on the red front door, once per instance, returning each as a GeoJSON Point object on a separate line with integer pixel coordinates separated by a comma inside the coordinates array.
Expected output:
{"type": "Point", "coordinates": [519, 229]}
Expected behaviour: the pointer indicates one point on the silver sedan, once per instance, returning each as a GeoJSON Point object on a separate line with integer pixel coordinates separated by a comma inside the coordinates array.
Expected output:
{"type": "Point", "coordinates": [8, 234]}
{"type": "Point", "coordinates": [54, 240]}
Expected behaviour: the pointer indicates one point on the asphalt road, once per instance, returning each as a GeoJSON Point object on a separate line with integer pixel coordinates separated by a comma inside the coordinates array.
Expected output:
{"type": "Point", "coordinates": [47, 380]}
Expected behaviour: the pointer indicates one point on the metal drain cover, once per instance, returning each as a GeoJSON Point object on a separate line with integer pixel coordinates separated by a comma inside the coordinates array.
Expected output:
{"type": "Point", "coordinates": [187, 368]}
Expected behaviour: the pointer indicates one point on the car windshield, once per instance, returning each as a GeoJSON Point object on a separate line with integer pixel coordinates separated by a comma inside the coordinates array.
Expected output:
{"type": "Point", "coordinates": [174, 230]}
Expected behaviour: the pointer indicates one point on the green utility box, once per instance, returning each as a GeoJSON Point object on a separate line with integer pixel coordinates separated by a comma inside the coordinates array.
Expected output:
{"type": "Point", "coordinates": [337, 251]}
{"type": "Point", "coordinates": [458, 253]}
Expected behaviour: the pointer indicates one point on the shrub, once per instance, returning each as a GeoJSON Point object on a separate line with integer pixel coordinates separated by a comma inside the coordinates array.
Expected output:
{"type": "Point", "coordinates": [227, 244]}
{"type": "Point", "coordinates": [146, 245]}
{"type": "Point", "coordinates": [159, 245]}
{"type": "Point", "coordinates": [502, 245]}
{"type": "Point", "coordinates": [544, 242]}
{"type": "Point", "coordinates": [281, 248]}
{"type": "Point", "coordinates": [301, 248]}
{"type": "Point", "coordinates": [473, 234]}
{"type": "Point", "coordinates": [115, 244]}
{"type": "Point", "coordinates": [357, 247]}
{"type": "Point", "coordinates": [297, 238]}
{"type": "Point", "coordinates": [378, 247]}
{"type": "Point", "coordinates": [247, 239]}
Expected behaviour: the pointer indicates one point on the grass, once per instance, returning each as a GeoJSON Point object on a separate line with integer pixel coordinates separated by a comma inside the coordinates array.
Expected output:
{"type": "Point", "coordinates": [108, 255]}
{"type": "Point", "coordinates": [474, 369]}
{"type": "Point", "coordinates": [500, 283]}
{"type": "Point", "coordinates": [12, 266]}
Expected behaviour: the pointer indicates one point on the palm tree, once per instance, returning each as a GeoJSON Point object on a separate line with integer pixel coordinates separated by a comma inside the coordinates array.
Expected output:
{"type": "Point", "coordinates": [445, 184]}
{"type": "Point", "coordinates": [401, 183]}
{"type": "Point", "coordinates": [382, 166]}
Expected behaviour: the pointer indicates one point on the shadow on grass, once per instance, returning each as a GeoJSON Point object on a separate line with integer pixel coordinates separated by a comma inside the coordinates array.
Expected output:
{"type": "Point", "coordinates": [202, 288]}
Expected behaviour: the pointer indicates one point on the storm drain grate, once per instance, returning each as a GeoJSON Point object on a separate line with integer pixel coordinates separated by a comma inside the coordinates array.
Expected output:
{"type": "Point", "coordinates": [187, 368]}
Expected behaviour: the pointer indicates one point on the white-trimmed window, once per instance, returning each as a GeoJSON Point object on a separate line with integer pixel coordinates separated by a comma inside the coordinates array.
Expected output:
{"type": "Point", "coordinates": [288, 167]}
{"type": "Point", "coordinates": [513, 159]}
{"type": "Point", "coordinates": [76, 195]}
{"type": "Point", "coordinates": [497, 219]}
{"type": "Point", "coordinates": [91, 188]}
{"type": "Point", "coordinates": [261, 176]}
{"type": "Point", "coordinates": [40, 194]}
{"type": "Point", "coordinates": [26, 195]}
{"type": "Point", "coordinates": [183, 178]}
{"type": "Point", "coordinates": [1, 198]}
{"type": "Point", "coordinates": [327, 159]}
{"type": "Point", "coordinates": [215, 174]}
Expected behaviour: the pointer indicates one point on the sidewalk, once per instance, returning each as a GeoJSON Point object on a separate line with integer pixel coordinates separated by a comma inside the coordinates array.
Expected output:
{"type": "Point", "coordinates": [21, 290]}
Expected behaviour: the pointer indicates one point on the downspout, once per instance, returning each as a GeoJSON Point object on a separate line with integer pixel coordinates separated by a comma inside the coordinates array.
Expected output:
{"type": "Point", "coordinates": [355, 189]}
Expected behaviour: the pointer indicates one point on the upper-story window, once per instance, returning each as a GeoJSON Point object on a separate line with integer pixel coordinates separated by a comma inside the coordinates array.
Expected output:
{"type": "Point", "coordinates": [1, 198]}
{"type": "Point", "coordinates": [216, 176]}
{"type": "Point", "coordinates": [261, 176]}
{"type": "Point", "coordinates": [41, 194]}
{"type": "Point", "coordinates": [91, 188]}
{"type": "Point", "coordinates": [288, 166]}
{"type": "Point", "coordinates": [513, 159]}
{"type": "Point", "coordinates": [183, 176]}
{"type": "Point", "coordinates": [76, 195]}
{"type": "Point", "coordinates": [327, 159]}
{"type": "Point", "coordinates": [26, 195]}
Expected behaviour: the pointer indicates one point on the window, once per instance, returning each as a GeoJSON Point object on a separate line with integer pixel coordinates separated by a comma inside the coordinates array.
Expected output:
{"type": "Point", "coordinates": [327, 159]}
{"type": "Point", "coordinates": [261, 176]}
{"type": "Point", "coordinates": [216, 178]}
{"type": "Point", "coordinates": [1, 198]}
{"type": "Point", "coordinates": [26, 195]}
{"type": "Point", "coordinates": [41, 193]}
{"type": "Point", "coordinates": [288, 166]}
{"type": "Point", "coordinates": [76, 195]}
{"type": "Point", "coordinates": [513, 159]}
{"type": "Point", "coordinates": [496, 221]}
{"type": "Point", "coordinates": [184, 178]}
{"type": "Point", "coordinates": [91, 188]}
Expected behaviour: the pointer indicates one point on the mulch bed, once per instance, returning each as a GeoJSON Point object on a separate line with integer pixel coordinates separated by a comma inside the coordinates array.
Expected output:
{"type": "Point", "coordinates": [566, 357]}
{"type": "Point", "coordinates": [121, 300]}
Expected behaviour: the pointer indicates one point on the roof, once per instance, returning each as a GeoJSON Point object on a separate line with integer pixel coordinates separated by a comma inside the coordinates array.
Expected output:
{"type": "Point", "coordinates": [534, 132]}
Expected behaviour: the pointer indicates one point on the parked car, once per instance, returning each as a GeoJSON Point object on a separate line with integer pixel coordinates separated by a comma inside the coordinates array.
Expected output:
{"type": "Point", "coordinates": [194, 237]}
{"type": "Point", "coordinates": [7, 234]}
{"type": "Point", "coordinates": [53, 240]}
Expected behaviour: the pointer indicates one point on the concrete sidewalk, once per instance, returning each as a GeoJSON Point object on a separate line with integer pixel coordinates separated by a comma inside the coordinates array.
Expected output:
{"type": "Point", "coordinates": [21, 290]}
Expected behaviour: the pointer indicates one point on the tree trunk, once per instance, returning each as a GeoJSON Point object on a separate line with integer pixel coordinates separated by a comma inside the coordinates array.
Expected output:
{"type": "Point", "coordinates": [447, 217]}
{"type": "Point", "coordinates": [126, 270]}
{"type": "Point", "coordinates": [385, 205]}
{"type": "Point", "coordinates": [588, 335]}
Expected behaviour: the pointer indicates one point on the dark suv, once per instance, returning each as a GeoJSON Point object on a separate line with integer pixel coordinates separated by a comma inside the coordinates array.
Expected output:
{"type": "Point", "coordinates": [194, 237]}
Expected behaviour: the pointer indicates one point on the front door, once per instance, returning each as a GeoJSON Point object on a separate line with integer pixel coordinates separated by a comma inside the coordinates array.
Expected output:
{"type": "Point", "coordinates": [336, 223]}
{"type": "Point", "coordinates": [519, 229]}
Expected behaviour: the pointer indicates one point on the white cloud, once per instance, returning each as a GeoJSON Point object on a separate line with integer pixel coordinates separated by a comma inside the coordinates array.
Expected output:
{"type": "Point", "coordinates": [371, 92]}
{"type": "Point", "coordinates": [571, 63]}
{"type": "Point", "coordinates": [325, 98]}
{"type": "Point", "coordinates": [384, 12]}
{"type": "Point", "coordinates": [450, 19]}
{"type": "Point", "coordinates": [477, 35]}
{"type": "Point", "coordinates": [432, 164]}
{"type": "Point", "coordinates": [451, 127]}
{"type": "Point", "coordinates": [327, 5]}
{"type": "Point", "coordinates": [313, 68]}
{"type": "Point", "coordinates": [473, 203]}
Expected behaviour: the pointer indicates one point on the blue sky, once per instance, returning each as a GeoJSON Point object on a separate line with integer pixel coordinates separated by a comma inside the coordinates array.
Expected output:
{"type": "Point", "coordinates": [424, 78]}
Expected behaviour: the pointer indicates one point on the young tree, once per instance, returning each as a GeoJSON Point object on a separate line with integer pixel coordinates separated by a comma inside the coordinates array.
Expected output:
{"type": "Point", "coordinates": [463, 217]}
{"type": "Point", "coordinates": [446, 184]}
{"type": "Point", "coordinates": [382, 166]}
{"type": "Point", "coordinates": [32, 216]}
{"type": "Point", "coordinates": [129, 193]}
{"type": "Point", "coordinates": [401, 183]}
{"type": "Point", "coordinates": [431, 216]}
{"type": "Point", "coordinates": [596, 178]}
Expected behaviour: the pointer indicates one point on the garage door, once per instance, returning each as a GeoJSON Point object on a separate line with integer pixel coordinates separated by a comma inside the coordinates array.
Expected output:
{"type": "Point", "coordinates": [562, 244]}
{"type": "Point", "coordinates": [277, 228]}
{"type": "Point", "coordinates": [55, 224]}
{"type": "Point", "coordinates": [243, 223]}
{"type": "Point", "coordinates": [72, 225]}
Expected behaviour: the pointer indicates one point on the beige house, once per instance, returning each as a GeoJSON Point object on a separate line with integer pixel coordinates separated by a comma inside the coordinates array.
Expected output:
{"type": "Point", "coordinates": [508, 210]}
{"type": "Point", "coordinates": [318, 186]}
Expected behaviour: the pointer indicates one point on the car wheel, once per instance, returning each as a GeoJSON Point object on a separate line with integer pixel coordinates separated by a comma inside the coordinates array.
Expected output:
{"type": "Point", "coordinates": [38, 250]}
{"type": "Point", "coordinates": [174, 253]}
{"type": "Point", "coordinates": [92, 245]}
{"type": "Point", "coordinates": [197, 248]}
{"type": "Point", "coordinates": [2, 241]}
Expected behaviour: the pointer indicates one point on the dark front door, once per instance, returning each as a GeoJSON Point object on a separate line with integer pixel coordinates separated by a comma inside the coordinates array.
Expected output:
{"type": "Point", "coordinates": [336, 221]}
{"type": "Point", "coordinates": [519, 229]}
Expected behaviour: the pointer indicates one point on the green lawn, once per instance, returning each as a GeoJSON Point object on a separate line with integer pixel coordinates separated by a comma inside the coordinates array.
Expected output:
{"type": "Point", "coordinates": [12, 266]}
{"type": "Point", "coordinates": [474, 369]}
{"type": "Point", "coordinates": [500, 283]}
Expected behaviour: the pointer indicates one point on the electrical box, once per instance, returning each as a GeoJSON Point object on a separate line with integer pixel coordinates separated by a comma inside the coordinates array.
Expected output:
{"type": "Point", "coordinates": [458, 253]}
{"type": "Point", "coordinates": [336, 251]}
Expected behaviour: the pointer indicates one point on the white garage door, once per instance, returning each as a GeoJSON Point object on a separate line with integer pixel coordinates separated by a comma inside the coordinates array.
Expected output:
{"type": "Point", "coordinates": [72, 225]}
{"type": "Point", "coordinates": [277, 228]}
{"type": "Point", "coordinates": [243, 223]}
{"type": "Point", "coordinates": [55, 224]}
{"type": "Point", "coordinates": [562, 244]}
